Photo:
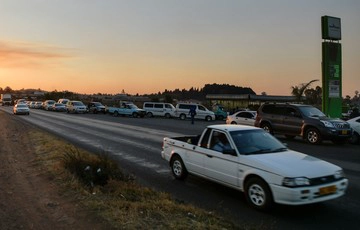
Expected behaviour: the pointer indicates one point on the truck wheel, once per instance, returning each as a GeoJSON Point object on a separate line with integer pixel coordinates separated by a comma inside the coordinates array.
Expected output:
{"type": "Point", "coordinates": [167, 115]}
{"type": "Point", "coordinates": [182, 116]}
{"type": "Point", "coordinates": [208, 118]}
{"type": "Point", "coordinates": [267, 127]}
{"type": "Point", "coordinates": [258, 194]}
{"type": "Point", "coordinates": [135, 115]}
{"type": "Point", "coordinates": [178, 168]}
{"type": "Point", "coordinates": [116, 114]}
{"type": "Point", "coordinates": [313, 136]}
{"type": "Point", "coordinates": [149, 114]}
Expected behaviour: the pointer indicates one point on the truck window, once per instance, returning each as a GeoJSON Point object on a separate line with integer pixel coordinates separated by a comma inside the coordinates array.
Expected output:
{"type": "Point", "coordinates": [205, 139]}
{"type": "Point", "coordinates": [219, 142]}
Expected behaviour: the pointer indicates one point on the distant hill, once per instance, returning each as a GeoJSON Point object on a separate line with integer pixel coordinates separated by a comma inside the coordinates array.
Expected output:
{"type": "Point", "coordinates": [200, 94]}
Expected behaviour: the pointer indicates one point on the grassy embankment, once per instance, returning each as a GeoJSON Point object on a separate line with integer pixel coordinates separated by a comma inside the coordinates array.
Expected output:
{"type": "Point", "coordinates": [115, 196]}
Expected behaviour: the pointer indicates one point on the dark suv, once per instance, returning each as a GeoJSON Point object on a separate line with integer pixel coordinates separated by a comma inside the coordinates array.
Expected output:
{"type": "Point", "coordinates": [96, 107]}
{"type": "Point", "coordinates": [302, 120]}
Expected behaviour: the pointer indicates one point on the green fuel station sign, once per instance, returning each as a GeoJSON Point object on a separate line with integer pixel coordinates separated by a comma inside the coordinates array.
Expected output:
{"type": "Point", "coordinates": [331, 66]}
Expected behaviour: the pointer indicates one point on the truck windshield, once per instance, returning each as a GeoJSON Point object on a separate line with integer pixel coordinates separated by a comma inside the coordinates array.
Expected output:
{"type": "Point", "coordinates": [257, 141]}
{"type": "Point", "coordinates": [132, 106]}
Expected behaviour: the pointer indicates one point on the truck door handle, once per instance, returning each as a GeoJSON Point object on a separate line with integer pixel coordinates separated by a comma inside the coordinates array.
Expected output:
{"type": "Point", "coordinates": [209, 156]}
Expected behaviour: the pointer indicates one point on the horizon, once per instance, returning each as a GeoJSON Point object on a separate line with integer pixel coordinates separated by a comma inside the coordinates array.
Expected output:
{"type": "Point", "coordinates": [144, 47]}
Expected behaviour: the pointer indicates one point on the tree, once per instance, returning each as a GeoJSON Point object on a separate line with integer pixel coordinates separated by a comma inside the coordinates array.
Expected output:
{"type": "Point", "coordinates": [7, 89]}
{"type": "Point", "coordinates": [313, 96]}
{"type": "Point", "coordinates": [168, 98]}
{"type": "Point", "coordinates": [299, 90]}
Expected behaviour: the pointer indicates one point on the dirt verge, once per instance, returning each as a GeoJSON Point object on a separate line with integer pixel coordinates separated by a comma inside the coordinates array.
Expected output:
{"type": "Point", "coordinates": [29, 198]}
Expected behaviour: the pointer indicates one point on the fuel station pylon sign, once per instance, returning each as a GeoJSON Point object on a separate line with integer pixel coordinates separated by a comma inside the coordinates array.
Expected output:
{"type": "Point", "coordinates": [331, 66]}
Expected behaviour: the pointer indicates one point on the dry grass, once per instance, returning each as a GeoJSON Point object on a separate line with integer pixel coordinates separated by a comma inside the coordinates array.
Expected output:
{"type": "Point", "coordinates": [121, 201]}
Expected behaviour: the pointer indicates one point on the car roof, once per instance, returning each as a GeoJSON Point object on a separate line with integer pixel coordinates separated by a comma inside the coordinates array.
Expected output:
{"type": "Point", "coordinates": [233, 127]}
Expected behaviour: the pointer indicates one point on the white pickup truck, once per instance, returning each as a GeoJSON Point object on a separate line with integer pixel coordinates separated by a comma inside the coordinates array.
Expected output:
{"type": "Point", "coordinates": [253, 161]}
{"type": "Point", "coordinates": [126, 109]}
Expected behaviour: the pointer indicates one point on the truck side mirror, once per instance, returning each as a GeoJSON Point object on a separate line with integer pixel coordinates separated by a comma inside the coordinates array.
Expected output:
{"type": "Point", "coordinates": [229, 151]}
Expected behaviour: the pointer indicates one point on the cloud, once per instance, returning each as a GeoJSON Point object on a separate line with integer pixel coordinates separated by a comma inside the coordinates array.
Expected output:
{"type": "Point", "coordinates": [30, 55]}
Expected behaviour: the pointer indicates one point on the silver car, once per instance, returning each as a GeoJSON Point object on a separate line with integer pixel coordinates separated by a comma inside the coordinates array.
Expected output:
{"type": "Point", "coordinates": [355, 125]}
{"type": "Point", "coordinates": [75, 107]}
{"type": "Point", "coordinates": [242, 118]}
{"type": "Point", "coordinates": [21, 108]}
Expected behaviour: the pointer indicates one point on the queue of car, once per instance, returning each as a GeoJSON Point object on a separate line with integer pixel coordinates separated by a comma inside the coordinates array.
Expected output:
{"type": "Point", "coordinates": [286, 119]}
{"type": "Point", "coordinates": [271, 173]}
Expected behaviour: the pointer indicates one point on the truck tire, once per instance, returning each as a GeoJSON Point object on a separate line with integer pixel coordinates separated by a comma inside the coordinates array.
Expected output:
{"type": "Point", "coordinates": [167, 115]}
{"type": "Point", "coordinates": [116, 114]}
{"type": "Point", "coordinates": [208, 118]}
{"type": "Point", "coordinates": [135, 115]}
{"type": "Point", "coordinates": [258, 194]}
{"type": "Point", "coordinates": [178, 168]}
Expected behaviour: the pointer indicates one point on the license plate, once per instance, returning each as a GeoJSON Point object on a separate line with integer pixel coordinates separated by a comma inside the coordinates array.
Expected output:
{"type": "Point", "coordinates": [327, 190]}
{"type": "Point", "coordinates": [343, 132]}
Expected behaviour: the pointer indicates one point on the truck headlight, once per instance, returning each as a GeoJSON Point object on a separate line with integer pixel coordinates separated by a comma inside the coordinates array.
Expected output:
{"type": "Point", "coordinates": [339, 174]}
{"type": "Point", "coordinates": [295, 182]}
{"type": "Point", "coordinates": [328, 124]}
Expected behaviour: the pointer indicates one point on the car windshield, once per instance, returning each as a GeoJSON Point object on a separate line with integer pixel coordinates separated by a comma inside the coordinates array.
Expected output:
{"type": "Point", "coordinates": [22, 105]}
{"type": "Point", "coordinates": [97, 103]}
{"type": "Point", "coordinates": [257, 141]}
{"type": "Point", "coordinates": [311, 111]}
{"type": "Point", "coordinates": [78, 103]}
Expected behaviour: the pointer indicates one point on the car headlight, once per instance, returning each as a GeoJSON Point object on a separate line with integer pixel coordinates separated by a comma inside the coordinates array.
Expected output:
{"type": "Point", "coordinates": [328, 124]}
{"type": "Point", "coordinates": [339, 174]}
{"type": "Point", "coordinates": [295, 182]}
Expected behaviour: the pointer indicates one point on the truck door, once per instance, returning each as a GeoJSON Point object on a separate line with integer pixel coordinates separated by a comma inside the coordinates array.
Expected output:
{"type": "Point", "coordinates": [219, 166]}
{"type": "Point", "coordinates": [194, 159]}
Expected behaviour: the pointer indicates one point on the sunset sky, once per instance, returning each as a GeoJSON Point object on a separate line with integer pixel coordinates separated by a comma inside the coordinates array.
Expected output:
{"type": "Point", "coordinates": [147, 46]}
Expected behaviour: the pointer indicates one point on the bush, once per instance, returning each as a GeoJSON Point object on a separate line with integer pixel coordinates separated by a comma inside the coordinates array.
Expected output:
{"type": "Point", "coordinates": [92, 170]}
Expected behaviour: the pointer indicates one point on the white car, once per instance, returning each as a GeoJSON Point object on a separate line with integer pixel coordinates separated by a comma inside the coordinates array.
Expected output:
{"type": "Point", "coordinates": [241, 118]}
{"type": "Point", "coordinates": [21, 108]}
{"type": "Point", "coordinates": [75, 107]}
{"type": "Point", "coordinates": [355, 125]}
{"type": "Point", "coordinates": [253, 161]}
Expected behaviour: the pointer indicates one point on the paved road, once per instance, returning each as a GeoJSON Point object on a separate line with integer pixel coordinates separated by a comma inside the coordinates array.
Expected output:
{"type": "Point", "coordinates": [136, 144]}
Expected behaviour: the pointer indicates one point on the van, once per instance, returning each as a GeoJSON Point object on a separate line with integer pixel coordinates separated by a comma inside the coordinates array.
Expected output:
{"type": "Point", "coordinates": [182, 111]}
{"type": "Point", "coordinates": [159, 109]}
